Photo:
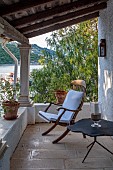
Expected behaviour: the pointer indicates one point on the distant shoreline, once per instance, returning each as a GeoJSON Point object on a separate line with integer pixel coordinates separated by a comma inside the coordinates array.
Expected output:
{"type": "Point", "coordinates": [9, 68]}
{"type": "Point", "coordinates": [19, 64]}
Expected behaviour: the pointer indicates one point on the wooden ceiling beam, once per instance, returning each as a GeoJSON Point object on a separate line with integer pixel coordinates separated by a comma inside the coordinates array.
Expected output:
{"type": "Point", "coordinates": [10, 32]}
{"type": "Point", "coordinates": [63, 18]}
{"type": "Point", "coordinates": [54, 11]}
{"type": "Point", "coordinates": [20, 6]}
{"type": "Point", "coordinates": [62, 25]}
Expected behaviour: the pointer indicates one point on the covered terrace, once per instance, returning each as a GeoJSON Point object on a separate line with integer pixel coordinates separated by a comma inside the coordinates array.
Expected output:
{"type": "Point", "coordinates": [21, 20]}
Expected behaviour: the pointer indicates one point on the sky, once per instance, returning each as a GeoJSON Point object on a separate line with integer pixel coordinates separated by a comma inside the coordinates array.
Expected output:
{"type": "Point", "coordinates": [40, 40]}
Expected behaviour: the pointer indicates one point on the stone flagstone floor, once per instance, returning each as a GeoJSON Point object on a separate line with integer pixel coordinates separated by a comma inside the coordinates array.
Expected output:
{"type": "Point", "coordinates": [36, 152]}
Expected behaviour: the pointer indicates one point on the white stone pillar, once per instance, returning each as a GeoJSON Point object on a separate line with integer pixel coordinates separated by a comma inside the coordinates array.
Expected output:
{"type": "Point", "coordinates": [24, 75]}
{"type": "Point", "coordinates": [105, 67]}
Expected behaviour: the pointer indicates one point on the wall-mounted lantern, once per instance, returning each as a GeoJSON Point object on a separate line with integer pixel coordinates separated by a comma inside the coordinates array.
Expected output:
{"type": "Point", "coordinates": [102, 48]}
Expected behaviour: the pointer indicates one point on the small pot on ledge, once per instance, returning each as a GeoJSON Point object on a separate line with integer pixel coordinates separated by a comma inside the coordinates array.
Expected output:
{"type": "Point", "coordinates": [8, 94]}
{"type": "Point", "coordinates": [10, 109]}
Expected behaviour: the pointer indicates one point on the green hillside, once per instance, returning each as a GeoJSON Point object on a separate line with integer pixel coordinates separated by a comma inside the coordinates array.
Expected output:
{"type": "Point", "coordinates": [36, 53]}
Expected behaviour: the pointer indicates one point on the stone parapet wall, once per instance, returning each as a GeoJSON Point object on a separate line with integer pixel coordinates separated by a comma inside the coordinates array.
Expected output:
{"type": "Point", "coordinates": [11, 132]}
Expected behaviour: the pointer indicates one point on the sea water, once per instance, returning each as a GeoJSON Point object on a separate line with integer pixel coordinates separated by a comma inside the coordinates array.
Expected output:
{"type": "Point", "coordinates": [5, 69]}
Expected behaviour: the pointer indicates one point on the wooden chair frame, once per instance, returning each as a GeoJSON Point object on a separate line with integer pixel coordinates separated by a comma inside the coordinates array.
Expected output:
{"type": "Point", "coordinates": [57, 122]}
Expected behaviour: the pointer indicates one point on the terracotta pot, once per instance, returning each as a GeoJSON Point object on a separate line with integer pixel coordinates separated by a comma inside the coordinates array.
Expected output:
{"type": "Point", "coordinates": [60, 96]}
{"type": "Point", "coordinates": [10, 109]}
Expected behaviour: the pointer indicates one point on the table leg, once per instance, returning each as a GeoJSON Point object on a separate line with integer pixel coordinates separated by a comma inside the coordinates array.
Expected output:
{"type": "Point", "coordinates": [104, 147]}
{"type": "Point", "coordinates": [92, 144]}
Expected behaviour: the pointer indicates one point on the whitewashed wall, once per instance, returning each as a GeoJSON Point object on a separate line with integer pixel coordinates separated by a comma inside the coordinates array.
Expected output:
{"type": "Point", "coordinates": [105, 77]}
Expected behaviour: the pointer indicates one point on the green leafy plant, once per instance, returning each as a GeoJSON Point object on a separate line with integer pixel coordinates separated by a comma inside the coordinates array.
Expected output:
{"type": "Point", "coordinates": [8, 91]}
{"type": "Point", "coordinates": [76, 58]}
{"type": "Point", "coordinates": [8, 95]}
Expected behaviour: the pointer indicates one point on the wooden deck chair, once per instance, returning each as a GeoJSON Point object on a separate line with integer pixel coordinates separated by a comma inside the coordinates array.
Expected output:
{"type": "Point", "coordinates": [69, 109]}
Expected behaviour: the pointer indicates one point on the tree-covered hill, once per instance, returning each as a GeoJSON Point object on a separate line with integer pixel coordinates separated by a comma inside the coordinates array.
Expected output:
{"type": "Point", "coordinates": [36, 53]}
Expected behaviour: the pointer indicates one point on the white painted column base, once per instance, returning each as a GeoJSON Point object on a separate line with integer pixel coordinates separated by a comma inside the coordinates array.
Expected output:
{"type": "Point", "coordinates": [25, 101]}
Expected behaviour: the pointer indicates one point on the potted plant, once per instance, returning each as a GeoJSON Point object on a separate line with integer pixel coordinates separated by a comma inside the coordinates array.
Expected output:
{"type": "Point", "coordinates": [59, 87]}
{"type": "Point", "coordinates": [60, 92]}
{"type": "Point", "coordinates": [60, 96]}
{"type": "Point", "coordinates": [8, 98]}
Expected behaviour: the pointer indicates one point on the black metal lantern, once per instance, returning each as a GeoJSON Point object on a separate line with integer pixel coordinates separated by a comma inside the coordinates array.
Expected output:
{"type": "Point", "coordinates": [102, 48]}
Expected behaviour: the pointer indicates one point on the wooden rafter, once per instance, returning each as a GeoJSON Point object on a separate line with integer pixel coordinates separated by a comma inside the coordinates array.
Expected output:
{"type": "Point", "coordinates": [63, 18]}
{"type": "Point", "coordinates": [10, 32]}
{"type": "Point", "coordinates": [76, 5]}
{"type": "Point", "coordinates": [62, 25]}
{"type": "Point", "coordinates": [31, 18]}
{"type": "Point", "coordinates": [20, 6]}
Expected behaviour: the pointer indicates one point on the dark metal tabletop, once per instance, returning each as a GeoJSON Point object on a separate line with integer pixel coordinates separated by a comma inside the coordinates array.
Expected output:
{"type": "Point", "coordinates": [84, 126]}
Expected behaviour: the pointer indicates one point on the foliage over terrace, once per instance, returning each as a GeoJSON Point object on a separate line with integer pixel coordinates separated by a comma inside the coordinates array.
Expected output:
{"type": "Point", "coordinates": [76, 58]}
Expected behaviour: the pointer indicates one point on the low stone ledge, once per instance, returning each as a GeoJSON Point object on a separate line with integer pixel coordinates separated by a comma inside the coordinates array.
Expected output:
{"type": "Point", "coordinates": [11, 132]}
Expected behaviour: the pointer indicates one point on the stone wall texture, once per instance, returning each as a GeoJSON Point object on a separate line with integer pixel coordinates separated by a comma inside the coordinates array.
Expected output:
{"type": "Point", "coordinates": [105, 64]}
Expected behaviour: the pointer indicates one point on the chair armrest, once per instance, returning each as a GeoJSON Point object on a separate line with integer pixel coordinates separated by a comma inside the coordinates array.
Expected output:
{"type": "Point", "coordinates": [64, 112]}
{"type": "Point", "coordinates": [61, 114]}
{"type": "Point", "coordinates": [68, 109]}
{"type": "Point", "coordinates": [51, 103]}
{"type": "Point", "coordinates": [48, 107]}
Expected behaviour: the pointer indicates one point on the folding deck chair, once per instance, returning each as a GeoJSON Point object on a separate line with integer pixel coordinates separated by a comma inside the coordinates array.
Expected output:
{"type": "Point", "coordinates": [69, 109]}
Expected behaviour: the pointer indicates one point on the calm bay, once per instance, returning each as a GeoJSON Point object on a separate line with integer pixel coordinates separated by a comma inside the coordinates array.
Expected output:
{"type": "Point", "coordinates": [6, 69]}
